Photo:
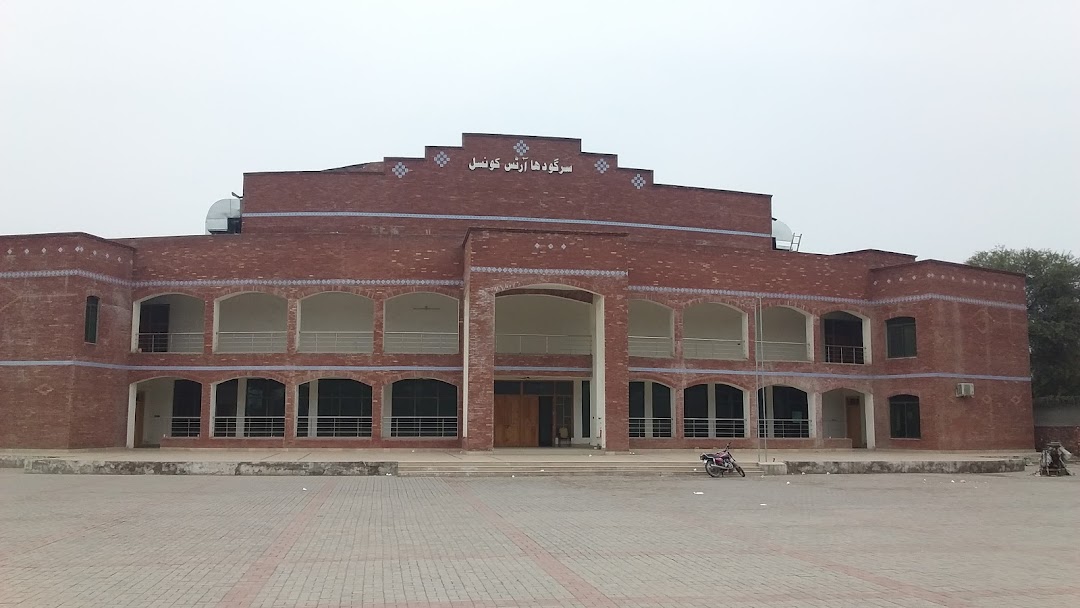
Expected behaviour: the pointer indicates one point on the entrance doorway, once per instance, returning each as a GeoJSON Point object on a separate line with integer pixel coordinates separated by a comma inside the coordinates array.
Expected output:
{"type": "Point", "coordinates": [533, 413]}
{"type": "Point", "coordinates": [517, 421]}
{"type": "Point", "coordinates": [855, 422]}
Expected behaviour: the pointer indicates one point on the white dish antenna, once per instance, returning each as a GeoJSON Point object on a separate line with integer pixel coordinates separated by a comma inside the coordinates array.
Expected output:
{"type": "Point", "coordinates": [224, 216]}
{"type": "Point", "coordinates": [784, 237]}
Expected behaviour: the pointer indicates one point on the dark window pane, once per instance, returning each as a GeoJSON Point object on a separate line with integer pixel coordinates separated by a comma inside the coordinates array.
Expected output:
{"type": "Point", "coordinates": [507, 387]}
{"type": "Point", "coordinates": [900, 337]}
{"type": "Point", "coordinates": [661, 401]}
{"type": "Point", "coordinates": [637, 399]}
{"type": "Point", "coordinates": [696, 401]}
{"type": "Point", "coordinates": [538, 388]}
{"type": "Point", "coordinates": [90, 322]}
{"type": "Point", "coordinates": [904, 417]}
{"type": "Point", "coordinates": [586, 409]}
{"type": "Point", "coordinates": [226, 398]}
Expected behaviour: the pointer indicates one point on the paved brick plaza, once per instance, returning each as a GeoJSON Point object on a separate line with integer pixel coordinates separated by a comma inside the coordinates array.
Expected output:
{"type": "Point", "coordinates": [881, 540]}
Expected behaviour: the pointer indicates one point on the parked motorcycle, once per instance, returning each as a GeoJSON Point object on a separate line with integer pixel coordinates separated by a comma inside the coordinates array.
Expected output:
{"type": "Point", "coordinates": [720, 463]}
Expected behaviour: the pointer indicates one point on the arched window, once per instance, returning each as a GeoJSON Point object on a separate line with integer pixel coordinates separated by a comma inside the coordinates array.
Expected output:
{"type": "Point", "coordinates": [900, 337]}
{"type": "Point", "coordinates": [90, 322]}
{"type": "Point", "coordinates": [904, 417]}
{"type": "Point", "coordinates": [423, 408]}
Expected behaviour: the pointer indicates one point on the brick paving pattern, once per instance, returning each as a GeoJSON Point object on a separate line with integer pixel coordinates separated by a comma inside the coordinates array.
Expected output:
{"type": "Point", "coordinates": [800, 541]}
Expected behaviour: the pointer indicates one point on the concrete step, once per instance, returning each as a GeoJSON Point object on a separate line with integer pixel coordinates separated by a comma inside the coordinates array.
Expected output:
{"type": "Point", "coordinates": [447, 469]}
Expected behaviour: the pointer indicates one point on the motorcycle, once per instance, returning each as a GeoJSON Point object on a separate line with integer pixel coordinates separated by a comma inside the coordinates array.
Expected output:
{"type": "Point", "coordinates": [720, 463]}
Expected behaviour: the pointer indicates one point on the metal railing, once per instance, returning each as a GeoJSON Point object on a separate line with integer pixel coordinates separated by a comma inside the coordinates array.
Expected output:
{"type": "Point", "coordinates": [424, 426]}
{"type": "Point", "coordinates": [713, 348]}
{"type": "Point", "coordinates": [335, 342]}
{"type": "Point", "coordinates": [543, 344]}
{"type": "Point", "coordinates": [719, 427]}
{"type": "Point", "coordinates": [844, 354]}
{"type": "Point", "coordinates": [782, 351]}
{"type": "Point", "coordinates": [184, 426]}
{"type": "Point", "coordinates": [253, 426]}
{"type": "Point", "coordinates": [782, 428]}
{"type": "Point", "coordinates": [651, 346]}
{"type": "Point", "coordinates": [334, 426]}
{"type": "Point", "coordinates": [420, 342]}
{"type": "Point", "coordinates": [174, 342]}
{"type": "Point", "coordinates": [650, 427]}
{"type": "Point", "coordinates": [250, 341]}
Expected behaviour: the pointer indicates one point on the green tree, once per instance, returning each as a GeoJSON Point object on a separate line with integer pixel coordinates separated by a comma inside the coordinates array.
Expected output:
{"type": "Point", "coordinates": [1053, 303]}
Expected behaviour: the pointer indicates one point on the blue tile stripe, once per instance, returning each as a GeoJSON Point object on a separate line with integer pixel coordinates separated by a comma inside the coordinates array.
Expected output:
{"type": "Point", "coordinates": [505, 218]}
{"type": "Point", "coordinates": [833, 299]}
{"type": "Point", "coordinates": [570, 272]}
{"type": "Point", "coordinates": [499, 368]}
{"type": "Point", "coordinates": [33, 274]}
{"type": "Point", "coordinates": [36, 274]}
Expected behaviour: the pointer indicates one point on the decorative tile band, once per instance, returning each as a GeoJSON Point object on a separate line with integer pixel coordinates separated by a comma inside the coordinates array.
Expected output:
{"type": "Point", "coordinates": [812, 298]}
{"type": "Point", "coordinates": [573, 272]}
{"type": "Point", "coordinates": [773, 374]}
{"type": "Point", "coordinates": [508, 368]}
{"type": "Point", "coordinates": [505, 218]}
{"type": "Point", "coordinates": [34, 274]}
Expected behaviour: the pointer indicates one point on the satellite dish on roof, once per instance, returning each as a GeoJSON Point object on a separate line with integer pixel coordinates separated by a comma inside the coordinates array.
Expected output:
{"type": "Point", "coordinates": [784, 237]}
{"type": "Point", "coordinates": [224, 216]}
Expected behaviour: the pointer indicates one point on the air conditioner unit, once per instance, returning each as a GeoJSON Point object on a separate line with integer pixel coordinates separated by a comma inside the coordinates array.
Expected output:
{"type": "Point", "coordinates": [965, 389]}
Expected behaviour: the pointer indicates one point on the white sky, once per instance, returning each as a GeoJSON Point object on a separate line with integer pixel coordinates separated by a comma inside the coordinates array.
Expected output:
{"type": "Point", "coordinates": [933, 128]}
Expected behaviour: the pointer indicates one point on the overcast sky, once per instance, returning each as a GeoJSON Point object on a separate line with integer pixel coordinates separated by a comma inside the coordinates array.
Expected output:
{"type": "Point", "coordinates": [933, 128]}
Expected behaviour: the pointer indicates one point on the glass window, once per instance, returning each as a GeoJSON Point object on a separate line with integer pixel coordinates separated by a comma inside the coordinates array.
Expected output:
{"type": "Point", "coordinates": [900, 337]}
{"type": "Point", "coordinates": [904, 417]}
{"type": "Point", "coordinates": [90, 322]}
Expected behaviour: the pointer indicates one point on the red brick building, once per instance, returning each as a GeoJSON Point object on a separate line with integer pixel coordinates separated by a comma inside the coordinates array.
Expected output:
{"type": "Point", "coordinates": [513, 291]}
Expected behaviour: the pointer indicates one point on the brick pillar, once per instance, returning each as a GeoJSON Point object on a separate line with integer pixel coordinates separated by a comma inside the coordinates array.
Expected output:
{"type": "Point", "coordinates": [751, 336]}
{"type": "Point", "coordinates": [677, 332]}
{"type": "Point", "coordinates": [378, 316]}
{"type": "Point", "coordinates": [292, 393]}
{"type": "Point", "coordinates": [478, 398]}
{"type": "Point", "coordinates": [291, 327]}
{"type": "Point", "coordinates": [206, 406]}
{"type": "Point", "coordinates": [752, 405]}
{"type": "Point", "coordinates": [817, 419]}
{"type": "Point", "coordinates": [209, 329]}
{"type": "Point", "coordinates": [613, 370]}
{"type": "Point", "coordinates": [377, 408]}
{"type": "Point", "coordinates": [817, 340]}
{"type": "Point", "coordinates": [677, 431]}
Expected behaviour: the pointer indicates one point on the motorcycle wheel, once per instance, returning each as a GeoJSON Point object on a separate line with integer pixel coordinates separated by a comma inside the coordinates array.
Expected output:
{"type": "Point", "coordinates": [714, 470]}
{"type": "Point", "coordinates": [739, 469]}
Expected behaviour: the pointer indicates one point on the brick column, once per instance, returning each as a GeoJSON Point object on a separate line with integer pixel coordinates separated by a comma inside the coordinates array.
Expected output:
{"type": "Point", "coordinates": [478, 398]}
{"type": "Point", "coordinates": [291, 398]}
{"type": "Point", "coordinates": [292, 326]}
{"type": "Point", "coordinates": [752, 418]}
{"type": "Point", "coordinates": [612, 370]}
{"type": "Point", "coordinates": [378, 320]}
{"type": "Point", "coordinates": [377, 408]}
{"type": "Point", "coordinates": [678, 413]}
{"type": "Point", "coordinates": [206, 406]}
{"type": "Point", "coordinates": [208, 325]}
{"type": "Point", "coordinates": [677, 332]}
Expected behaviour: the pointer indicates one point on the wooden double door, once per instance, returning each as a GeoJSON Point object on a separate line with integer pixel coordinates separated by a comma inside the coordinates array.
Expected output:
{"type": "Point", "coordinates": [517, 421]}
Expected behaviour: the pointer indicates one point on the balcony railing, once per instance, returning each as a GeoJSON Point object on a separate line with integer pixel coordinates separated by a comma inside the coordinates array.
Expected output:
{"type": "Point", "coordinates": [253, 426]}
{"type": "Point", "coordinates": [175, 342]}
{"type": "Point", "coordinates": [334, 426]}
{"type": "Point", "coordinates": [651, 346]}
{"type": "Point", "coordinates": [335, 342]}
{"type": "Point", "coordinates": [713, 348]}
{"type": "Point", "coordinates": [424, 426]}
{"type": "Point", "coordinates": [844, 354]}
{"type": "Point", "coordinates": [719, 427]}
{"type": "Point", "coordinates": [420, 342]}
{"type": "Point", "coordinates": [250, 341]}
{"type": "Point", "coordinates": [650, 427]}
{"type": "Point", "coordinates": [782, 428]}
{"type": "Point", "coordinates": [184, 426]}
{"type": "Point", "coordinates": [782, 351]}
{"type": "Point", "coordinates": [543, 344]}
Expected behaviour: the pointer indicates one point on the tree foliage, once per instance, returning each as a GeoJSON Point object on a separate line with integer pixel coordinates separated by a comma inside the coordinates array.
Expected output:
{"type": "Point", "coordinates": [1053, 302]}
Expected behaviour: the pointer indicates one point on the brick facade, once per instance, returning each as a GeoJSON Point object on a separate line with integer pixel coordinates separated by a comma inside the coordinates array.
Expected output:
{"type": "Point", "coordinates": [431, 224]}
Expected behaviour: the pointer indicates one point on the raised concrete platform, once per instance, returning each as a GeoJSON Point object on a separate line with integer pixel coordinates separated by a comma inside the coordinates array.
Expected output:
{"type": "Point", "coordinates": [501, 462]}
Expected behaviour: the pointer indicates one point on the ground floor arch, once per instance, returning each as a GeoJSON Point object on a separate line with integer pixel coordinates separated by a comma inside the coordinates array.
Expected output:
{"type": "Point", "coordinates": [848, 414]}
{"type": "Point", "coordinates": [714, 410]}
{"type": "Point", "coordinates": [334, 407]}
{"type": "Point", "coordinates": [163, 407]}
{"type": "Point", "coordinates": [784, 413]}
{"type": "Point", "coordinates": [249, 407]}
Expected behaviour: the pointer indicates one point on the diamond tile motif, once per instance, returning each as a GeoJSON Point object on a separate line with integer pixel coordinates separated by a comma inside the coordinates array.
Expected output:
{"type": "Point", "coordinates": [602, 165]}
{"type": "Point", "coordinates": [637, 181]}
{"type": "Point", "coordinates": [521, 147]}
{"type": "Point", "coordinates": [400, 170]}
{"type": "Point", "coordinates": [442, 158]}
